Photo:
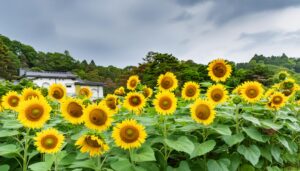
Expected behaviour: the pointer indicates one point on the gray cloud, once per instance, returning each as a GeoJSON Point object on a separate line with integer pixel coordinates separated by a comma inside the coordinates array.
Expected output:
{"type": "Point", "coordinates": [122, 32]}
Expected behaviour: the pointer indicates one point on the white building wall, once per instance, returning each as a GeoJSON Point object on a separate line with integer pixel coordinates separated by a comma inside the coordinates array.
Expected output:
{"type": "Point", "coordinates": [97, 91]}
{"type": "Point", "coordinates": [46, 82]}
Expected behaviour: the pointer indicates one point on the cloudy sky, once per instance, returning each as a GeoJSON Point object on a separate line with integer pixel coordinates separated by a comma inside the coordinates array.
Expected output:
{"type": "Point", "coordinates": [121, 32]}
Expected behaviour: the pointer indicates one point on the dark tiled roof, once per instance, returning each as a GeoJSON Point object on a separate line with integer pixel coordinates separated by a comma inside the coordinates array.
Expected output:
{"type": "Point", "coordinates": [46, 74]}
{"type": "Point", "coordinates": [89, 83]}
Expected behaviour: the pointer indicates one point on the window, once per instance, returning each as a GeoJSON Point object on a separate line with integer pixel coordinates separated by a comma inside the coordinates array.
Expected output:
{"type": "Point", "coordinates": [68, 85]}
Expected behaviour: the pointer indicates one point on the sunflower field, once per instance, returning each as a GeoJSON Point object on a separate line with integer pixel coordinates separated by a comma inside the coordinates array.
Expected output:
{"type": "Point", "coordinates": [195, 127]}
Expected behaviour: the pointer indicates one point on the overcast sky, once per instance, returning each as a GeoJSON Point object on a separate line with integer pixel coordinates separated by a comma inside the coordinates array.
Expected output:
{"type": "Point", "coordinates": [121, 32]}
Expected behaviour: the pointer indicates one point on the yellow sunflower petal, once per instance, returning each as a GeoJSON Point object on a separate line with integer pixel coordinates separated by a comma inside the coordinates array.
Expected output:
{"type": "Point", "coordinates": [217, 94]}
{"type": "Point", "coordinates": [167, 82]}
{"type": "Point", "coordinates": [190, 91]}
{"type": "Point", "coordinates": [85, 92]}
{"type": "Point", "coordinates": [92, 144]}
{"type": "Point", "coordinates": [49, 141]}
{"type": "Point", "coordinates": [202, 111]}
{"type": "Point", "coordinates": [72, 110]}
{"type": "Point", "coordinates": [11, 100]}
{"type": "Point", "coordinates": [165, 103]}
{"type": "Point", "coordinates": [57, 92]}
{"type": "Point", "coordinates": [129, 134]}
{"type": "Point", "coordinates": [134, 101]}
{"type": "Point", "coordinates": [252, 91]}
{"type": "Point", "coordinates": [132, 82]}
{"type": "Point", "coordinates": [219, 70]}
{"type": "Point", "coordinates": [29, 93]}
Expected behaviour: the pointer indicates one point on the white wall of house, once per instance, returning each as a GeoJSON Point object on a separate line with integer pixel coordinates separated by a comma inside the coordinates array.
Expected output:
{"type": "Point", "coordinates": [46, 82]}
{"type": "Point", "coordinates": [97, 91]}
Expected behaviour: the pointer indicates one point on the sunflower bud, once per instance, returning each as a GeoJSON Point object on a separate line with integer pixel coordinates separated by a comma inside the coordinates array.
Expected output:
{"type": "Point", "coordinates": [236, 100]}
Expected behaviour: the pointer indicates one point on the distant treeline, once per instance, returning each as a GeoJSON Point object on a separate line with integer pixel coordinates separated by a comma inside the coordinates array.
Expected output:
{"type": "Point", "coordinates": [14, 54]}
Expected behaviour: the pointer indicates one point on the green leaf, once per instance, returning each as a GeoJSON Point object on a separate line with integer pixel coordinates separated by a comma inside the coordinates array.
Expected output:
{"type": "Point", "coordinates": [235, 159]}
{"type": "Point", "coordinates": [218, 165]}
{"type": "Point", "coordinates": [4, 167]}
{"type": "Point", "coordinates": [8, 133]}
{"type": "Point", "coordinates": [266, 152]}
{"type": "Point", "coordinates": [254, 134]}
{"type": "Point", "coordinates": [275, 151]}
{"type": "Point", "coordinates": [203, 148]}
{"type": "Point", "coordinates": [233, 139]}
{"type": "Point", "coordinates": [251, 153]}
{"type": "Point", "coordinates": [40, 166]}
{"type": "Point", "coordinates": [222, 129]}
{"type": "Point", "coordinates": [143, 154]}
{"type": "Point", "coordinates": [183, 166]}
{"type": "Point", "coordinates": [291, 147]}
{"type": "Point", "coordinates": [247, 167]}
{"type": "Point", "coordinates": [270, 124]}
{"type": "Point", "coordinates": [274, 168]}
{"type": "Point", "coordinates": [251, 119]}
{"type": "Point", "coordinates": [85, 164]}
{"type": "Point", "coordinates": [122, 165]}
{"type": "Point", "coordinates": [181, 144]}
{"type": "Point", "coordinates": [6, 149]}
{"type": "Point", "coordinates": [12, 124]}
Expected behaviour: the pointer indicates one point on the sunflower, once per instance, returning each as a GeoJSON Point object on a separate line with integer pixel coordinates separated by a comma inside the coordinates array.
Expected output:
{"type": "Point", "coordinates": [190, 91]}
{"type": "Point", "coordinates": [217, 94]}
{"type": "Point", "coordinates": [237, 90]}
{"type": "Point", "coordinates": [11, 100]}
{"type": "Point", "coordinates": [97, 117]}
{"type": "Point", "coordinates": [147, 92]}
{"type": "Point", "coordinates": [29, 93]}
{"type": "Point", "coordinates": [252, 91]}
{"type": "Point", "coordinates": [49, 141]}
{"type": "Point", "coordinates": [282, 75]}
{"type": "Point", "coordinates": [134, 102]}
{"type": "Point", "coordinates": [72, 110]}
{"type": "Point", "coordinates": [202, 111]}
{"type": "Point", "coordinates": [167, 82]}
{"type": "Point", "coordinates": [92, 144]}
{"type": "Point", "coordinates": [85, 92]}
{"type": "Point", "coordinates": [269, 92]}
{"type": "Point", "coordinates": [120, 91]}
{"type": "Point", "coordinates": [165, 103]}
{"type": "Point", "coordinates": [132, 82]}
{"type": "Point", "coordinates": [34, 112]}
{"type": "Point", "coordinates": [288, 84]}
{"type": "Point", "coordinates": [129, 134]}
{"type": "Point", "coordinates": [57, 92]}
{"type": "Point", "coordinates": [219, 70]}
{"type": "Point", "coordinates": [277, 100]}
{"type": "Point", "coordinates": [111, 101]}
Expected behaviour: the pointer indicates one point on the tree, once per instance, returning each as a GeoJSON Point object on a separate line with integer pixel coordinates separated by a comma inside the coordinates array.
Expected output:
{"type": "Point", "coordinates": [9, 63]}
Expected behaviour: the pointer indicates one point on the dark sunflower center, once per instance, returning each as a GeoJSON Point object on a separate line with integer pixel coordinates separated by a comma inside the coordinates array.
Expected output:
{"type": "Point", "coordinates": [111, 103]}
{"type": "Point", "coordinates": [30, 96]}
{"type": "Point", "coordinates": [13, 101]}
{"type": "Point", "coordinates": [135, 100]}
{"type": "Point", "coordinates": [129, 134]}
{"type": "Point", "coordinates": [165, 103]}
{"type": "Point", "coordinates": [217, 95]}
{"type": "Point", "coordinates": [252, 93]}
{"type": "Point", "coordinates": [202, 112]}
{"type": "Point", "coordinates": [219, 70]}
{"type": "Point", "coordinates": [133, 83]}
{"type": "Point", "coordinates": [84, 92]}
{"type": "Point", "coordinates": [167, 82]}
{"type": "Point", "coordinates": [98, 117]}
{"type": "Point", "coordinates": [288, 85]}
{"type": "Point", "coordinates": [146, 92]}
{"type": "Point", "coordinates": [190, 91]}
{"type": "Point", "coordinates": [287, 92]}
{"type": "Point", "coordinates": [34, 112]}
{"type": "Point", "coordinates": [93, 143]}
{"type": "Point", "coordinates": [75, 110]}
{"type": "Point", "coordinates": [58, 93]}
{"type": "Point", "coordinates": [277, 100]}
{"type": "Point", "coordinates": [49, 141]}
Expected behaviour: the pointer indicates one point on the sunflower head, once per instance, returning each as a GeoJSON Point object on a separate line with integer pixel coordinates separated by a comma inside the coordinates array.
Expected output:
{"type": "Point", "coordinates": [203, 112]}
{"type": "Point", "coordinates": [134, 101]}
{"type": "Point", "coordinates": [72, 110]}
{"type": "Point", "coordinates": [11, 100]}
{"type": "Point", "coordinates": [269, 92]}
{"type": "Point", "coordinates": [252, 91]}
{"type": "Point", "coordinates": [34, 112]}
{"type": "Point", "coordinates": [237, 90]}
{"type": "Point", "coordinates": [277, 100]}
{"type": "Point", "coordinates": [49, 141]}
{"type": "Point", "coordinates": [92, 144]}
{"type": "Point", "coordinates": [57, 92]}
{"type": "Point", "coordinates": [120, 91]}
{"type": "Point", "coordinates": [288, 83]}
{"type": "Point", "coordinates": [167, 82]}
{"type": "Point", "coordinates": [132, 82]}
{"type": "Point", "coordinates": [111, 101]}
{"type": "Point", "coordinates": [282, 75]}
{"type": "Point", "coordinates": [147, 92]}
{"type": "Point", "coordinates": [190, 91]}
{"type": "Point", "coordinates": [85, 92]}
{"type": "Point", "coordinates": [129, 134]}
{"type": "Point", "coordinates": [97, 117]}
{"type": "Point", "coordinates": [219, 70]}
{"type": "Point", "coordinates": [29, 93]}
{"type": "Point", "coordinates": [217, 94]}
{"type": "Point", "coordinates": [165, 103]}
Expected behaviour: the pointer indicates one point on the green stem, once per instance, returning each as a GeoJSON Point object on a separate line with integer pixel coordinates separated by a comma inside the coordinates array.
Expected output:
{"type": "Point", "coordinates": [165, 137]}
{"type": "Point", "coordinates": [204, 135]}
{"type": "Point", "coordinates": [55, 162]}
{"type": "Point", "coordinates": [100, 167]}
{"type": "Point", "coordinates": [26, 146]}
{"type": "Point", "coordinates": [131, 156]}
{"type": "Point", "coordinates": [237, 126]}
